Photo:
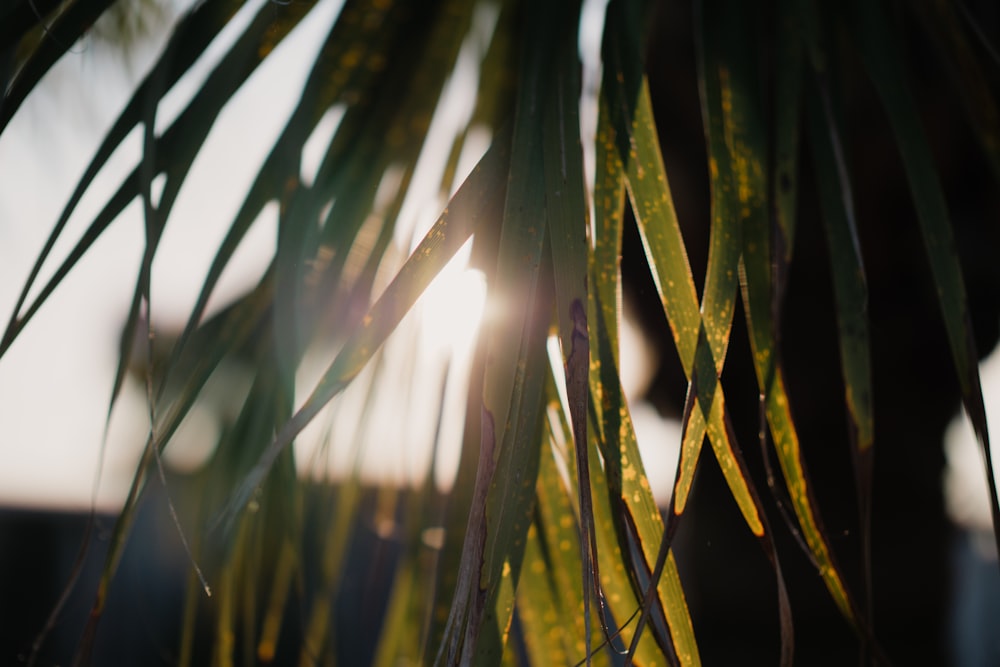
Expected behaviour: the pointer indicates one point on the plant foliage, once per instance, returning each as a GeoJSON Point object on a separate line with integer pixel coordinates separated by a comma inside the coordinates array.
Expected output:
{"type": "Point", "coordinates": [550, 527]}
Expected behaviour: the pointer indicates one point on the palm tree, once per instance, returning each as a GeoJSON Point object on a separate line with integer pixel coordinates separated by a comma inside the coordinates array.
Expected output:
{"type": "Point", "coordinates": [520, 561]}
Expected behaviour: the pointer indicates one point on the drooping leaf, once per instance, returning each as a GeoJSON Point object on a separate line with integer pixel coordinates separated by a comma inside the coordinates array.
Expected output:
{"type": "Point", "coordinates": [788, 62]}
{"type": "Point", "coordinates": [498, 521]}
{"type": "Point", "coordinates": [174, 150]}
{"type": "Point", "coordinates": [851, 297]}
{"type": "Point", "coordinates": [549, 597]}
{"type": "Point", "coordinates": [567, 215]}
{"type": "Point", "coordinates": [698, 340]}
{"type": "Point", "coordinates": [735, 175]}
{"type": "Point", "coordinates": [632, 510]}
{"type": "Point", "coordinates": [730, 90]}
{"type": "Point", "coordinates": [384, 64]}
{"type": "Point", "coordinates": [473, 205]}
{"type": "Point", "coordinates": [881, 54]}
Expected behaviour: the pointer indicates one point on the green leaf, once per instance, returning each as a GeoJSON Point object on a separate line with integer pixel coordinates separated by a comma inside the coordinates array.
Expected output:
{"type": "Point", "coordinates": [736, 172]}
{"type": "Point", "coordinates": [701, 338]}
{"type": "Point", "coordinates": [787, 108]}
{"type": "Point", "coordinates": [632, 509]}
{"type": "Point", "coordinates": [58, 38]}
{"type": "Point", "coordinates": [473, 205]}
{"type": "Point", "coordinates": [567, 216]}
{"type": "Point", "coordinates": [877, 43]}
{"type": "Point", "coordinates": [649, 192]}
{"type": "Point", "coordinates": [510, 501]}
{"type": "Point", "coordinates": [494, 543]}
{"type": "Point", "coordinates": [850, 287]}
{"type": "Point", "coordinates": [175, 149]}
{"type": "Point", "coordinates": [549, 600]}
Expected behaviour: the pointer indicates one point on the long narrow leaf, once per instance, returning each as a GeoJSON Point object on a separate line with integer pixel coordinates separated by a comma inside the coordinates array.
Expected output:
{"type": "Point", "coordinates": [480, 614]}
{"type": "Point", "coordinates": [473, 205]}
{"type": "Point", "coordinates": [566, 208]}
{"type": "Point", "coordinates": [851, 294]}
{"type": "Point", "coordinates": [878, 47]}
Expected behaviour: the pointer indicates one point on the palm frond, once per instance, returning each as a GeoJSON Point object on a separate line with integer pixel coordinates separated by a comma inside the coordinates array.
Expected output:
{"type": "Point", "coordinates": [549, 547]}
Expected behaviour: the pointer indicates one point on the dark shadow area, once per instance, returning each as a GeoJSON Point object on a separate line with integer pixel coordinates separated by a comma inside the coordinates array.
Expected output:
{"type": "Point", "coordinates": [142, 622]}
